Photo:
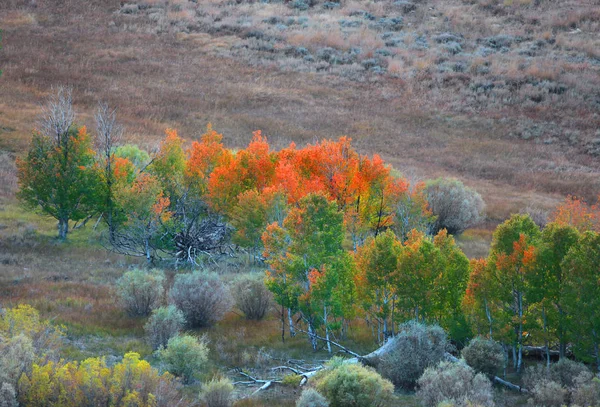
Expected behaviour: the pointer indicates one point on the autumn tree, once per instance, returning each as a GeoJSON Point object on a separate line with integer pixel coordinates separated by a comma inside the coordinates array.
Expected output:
{"type": "Point", "coordinates": [512, 261]}
{"type": "Point", "coordinates": [147, 213]}
{"type": "Point", "coordinates": [58, 175]}
{"type": "Point", "coordinates": [251, 168]}
{"type": "Point", "coordinates": [253, 212]}
{"type": "Point", "coordinates": [413, 212]}
{"type": "Point", "coordinates": [579, 214]}
{"type": "Point", "coordinates": [480, 299]}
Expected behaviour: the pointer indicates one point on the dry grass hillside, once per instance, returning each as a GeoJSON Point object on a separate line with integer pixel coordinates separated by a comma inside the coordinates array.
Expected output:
{"type": "Point", "coordinates": [504, 95]}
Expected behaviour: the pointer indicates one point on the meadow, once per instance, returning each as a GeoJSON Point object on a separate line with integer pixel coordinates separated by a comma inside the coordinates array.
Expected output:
{"type": "Point", "coordinates": [503, 95]}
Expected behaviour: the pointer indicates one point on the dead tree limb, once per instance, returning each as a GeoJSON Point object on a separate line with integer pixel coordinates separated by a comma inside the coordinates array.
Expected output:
{"type": "Point", "coordinates": [371, 360]}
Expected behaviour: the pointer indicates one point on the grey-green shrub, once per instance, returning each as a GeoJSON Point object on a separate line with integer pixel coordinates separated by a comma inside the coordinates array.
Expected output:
{"type": "Point", "coordinates": [8, 396]}
{"type": "Point", "coordinates": [456, 383]}
{"type": "Point", "coordinates": [311, 398]}
{"type": "Point", "coordinates": [586, 391]}
{"type": "Point", "coordinates": [185, 356]}
{"type": "Point", "coordinates": [202, 297]}
{"type": "Point", "coordinates": [163, 324]}
{"type": "Point", "coordinates": [548, 393]}
{"type": "Point", "coordinates": [16, 357]}
{"type": "Point", "coordinates": [484, 355]}
{"type": "Point", "coordinates": [351, 384]}
{"type": "Point", "coordinates": [563, 381]}
{"type": "Point", "coordinates": [141, 291]}
{"type": "Point", "coordinates": [217, 393]}
{"type": "Point", "coordinates": [415, 348]}
{"type": "Point", "coordinates": [563, 372]}
{"type": "Point", "coordinates": [456, 206]}
{"type": "Point", "coordinates": [251, 296]}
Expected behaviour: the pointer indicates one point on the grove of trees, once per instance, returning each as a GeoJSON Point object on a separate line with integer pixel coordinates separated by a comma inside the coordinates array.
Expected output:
{"type": "Point", "coordinates": [341, 234]}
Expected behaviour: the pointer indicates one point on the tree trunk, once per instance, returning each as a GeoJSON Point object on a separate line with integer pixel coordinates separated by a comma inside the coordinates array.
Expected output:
{"type": "Point", "coordinates": [520, 332]}
{"type": "Point", "coordinates": [562, 343]}
{"type": "Point", "coordinates": [326, 329]}
{"type": "Point", "coordinates": [312, 335]}
{"type": "Point", "coordinates": [596, 349]}
{"type": "Point", "coordinates": [282, 324]}
{"type": "Point", "coordinates": [546, 336]}
{"type": "Point", "coordinates": [489, 317]}
{"type": "Point", "coordinates": [514, 355]}
{"type": "Point", "coordinates": [147, 250]}
{"type": "Point", "coordinates": [291, 323]}
{"type": "Point", "coordinates": [63, 228]}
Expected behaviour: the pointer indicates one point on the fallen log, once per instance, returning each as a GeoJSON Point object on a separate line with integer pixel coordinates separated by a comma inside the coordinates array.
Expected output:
{"type": "Point", "coordinates": [370, 359]}
{"type": "Point", "coordinates": [539, 351]}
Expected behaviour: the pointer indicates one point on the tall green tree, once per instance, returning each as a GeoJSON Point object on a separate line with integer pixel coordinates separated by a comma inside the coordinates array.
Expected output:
{"type": "Point", "coordinates": [582, 294]}
{"type": "Point", "coordinates": [548, 282]}
{"type": "Point", "coordinates": [311, 239]}
{"type": "Point", "coordinates": [419, 266]}
{"type": "Point", "coordinates": [450, 286]}
{"type": "Point", "coordinates": [377, 263]}
{"type": "Point", "coordinates": [512, 260]}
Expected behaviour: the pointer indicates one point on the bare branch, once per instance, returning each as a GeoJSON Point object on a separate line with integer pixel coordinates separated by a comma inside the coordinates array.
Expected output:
{"type": "Point", "coordinates": [58, 115]}
{"type": "Point", "coordinates": [108, 130]}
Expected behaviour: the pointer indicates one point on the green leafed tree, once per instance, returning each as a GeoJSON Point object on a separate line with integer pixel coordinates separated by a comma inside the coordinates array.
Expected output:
{"type": "Point", "coordinates": [548, 283]}
{"type": "Point", "coordinates": [377, 262]}
{"type": "Point", "coordinates": [309, 241]}
{"type": "Point", "coordinates": [513, 260]}
{"type": "Point", "coordinates": [58, 174]}
{"type": "Point", "coordinates": [582, 296]}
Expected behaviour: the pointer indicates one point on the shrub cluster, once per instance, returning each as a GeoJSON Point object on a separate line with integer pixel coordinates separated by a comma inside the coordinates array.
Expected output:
{"type": "Point", "coordinates": [345, 384]}
{"type": "Point", "coordinates": [484, 355]}
{"type": "Point", "coordinates": [163, 324]}
{"type": "Point", "coordinates": [252, 297]}
{"type": "Point", "coordinates": [141, 291]}
{"type": "Point", "coordinates": [132, 383]}
{"type": "Point", "coordinates": [185, 356]}
{"type": "Point", "coordinates": [456, 206]}
{"type": "Point", "coordinates": [217, 393]}
{"type": "Point", "coordinates": [202, 298]}
{"type": "Point", "coordinates": [564, 382]}
{"type": "Point", "coordinates": [456, 383]}
{"type": "Point", "coordinates": [414, 349]}
{"type": "Point", "coordinates": [311, 398]}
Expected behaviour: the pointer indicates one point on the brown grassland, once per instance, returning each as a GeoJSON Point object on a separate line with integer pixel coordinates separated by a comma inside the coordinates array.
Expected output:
{"type": "Point", "coordinates": [503, 95]}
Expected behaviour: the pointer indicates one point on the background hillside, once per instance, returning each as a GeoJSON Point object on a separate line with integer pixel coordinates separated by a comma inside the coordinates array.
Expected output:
{"type": "Point", "coordinates": [504, 95]}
